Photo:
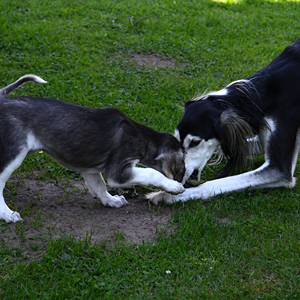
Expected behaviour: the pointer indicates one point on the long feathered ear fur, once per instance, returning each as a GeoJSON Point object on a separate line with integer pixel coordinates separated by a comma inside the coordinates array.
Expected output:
{"type": "Point", "coordinates": [234, 132]}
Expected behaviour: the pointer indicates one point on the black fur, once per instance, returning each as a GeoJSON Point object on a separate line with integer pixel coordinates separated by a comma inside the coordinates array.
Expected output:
{"type": "Point", "coordinates": [273, 92]}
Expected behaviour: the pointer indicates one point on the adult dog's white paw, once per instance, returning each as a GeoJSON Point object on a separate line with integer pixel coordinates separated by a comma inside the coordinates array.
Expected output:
{"type": "Point", "coordinates": [117, 201]}
{"type": "Point", "coordinates": [10, 216]}
{"type": "Point", "coordinates": [174, 187]}
{"type": "Point", "coordinates": [157, 197]}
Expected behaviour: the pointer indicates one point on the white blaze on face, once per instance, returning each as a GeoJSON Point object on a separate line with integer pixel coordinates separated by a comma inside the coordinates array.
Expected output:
{"type": "Point", "coordinates": [198, 152]}
{"type": "Point", "coordinates": [177, 134]}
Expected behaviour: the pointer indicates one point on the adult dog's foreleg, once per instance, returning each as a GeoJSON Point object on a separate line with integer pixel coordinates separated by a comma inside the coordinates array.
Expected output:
{"type": "Point", "coordinates": [97, 187]}
{"type": "Point", "coordinates": [263, 177]}
{"type": "Point", "coordinates": [149, 176]}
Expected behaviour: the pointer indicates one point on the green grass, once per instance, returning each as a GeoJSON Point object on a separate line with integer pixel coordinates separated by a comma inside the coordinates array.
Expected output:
{"type": "Point", "coordinates": [83, 49]}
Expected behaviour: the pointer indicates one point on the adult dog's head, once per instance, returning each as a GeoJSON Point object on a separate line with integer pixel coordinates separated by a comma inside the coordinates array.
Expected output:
{"type": "Point", "coordinates": [220, 120]}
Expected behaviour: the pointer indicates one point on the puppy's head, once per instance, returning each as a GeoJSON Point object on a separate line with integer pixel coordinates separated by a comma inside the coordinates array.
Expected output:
{"type": "Point", "coordinates": [170, 160]}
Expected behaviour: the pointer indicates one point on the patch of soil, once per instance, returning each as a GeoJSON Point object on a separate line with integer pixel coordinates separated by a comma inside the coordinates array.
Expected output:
{"type": "Point", "coordinates": [52, 209]}
{"type": "Point", "coordinates": [153, 60]}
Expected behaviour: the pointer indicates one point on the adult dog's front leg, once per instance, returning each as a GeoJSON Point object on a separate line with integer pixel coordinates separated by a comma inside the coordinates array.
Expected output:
{"type": "Point", "coordinates": [264, 177]}
{"type": "Point", "coordinates": [97, 187]}
{"type": "Point", "coordinates": [188, 194]}
{"type": "Point", "coordinates": [149, 176]}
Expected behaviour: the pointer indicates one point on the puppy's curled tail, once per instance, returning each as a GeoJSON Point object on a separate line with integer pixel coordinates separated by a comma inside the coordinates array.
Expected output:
{"type": "Point", "coordinates": [20, 81]}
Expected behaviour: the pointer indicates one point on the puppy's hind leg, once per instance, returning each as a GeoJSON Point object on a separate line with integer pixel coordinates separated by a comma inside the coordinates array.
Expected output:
{"type": "Point", "coordinates": [6, 213]}
{"type": "Point", "coordinates": [97, 187]}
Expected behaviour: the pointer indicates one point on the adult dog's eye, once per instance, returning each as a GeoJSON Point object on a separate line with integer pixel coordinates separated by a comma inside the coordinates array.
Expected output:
{"type": "Point", "coordinates": [194, 143]}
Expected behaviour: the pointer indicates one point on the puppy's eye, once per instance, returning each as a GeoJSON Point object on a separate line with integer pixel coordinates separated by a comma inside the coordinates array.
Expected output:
{"type": "Point", "coordinates": [194, 143]}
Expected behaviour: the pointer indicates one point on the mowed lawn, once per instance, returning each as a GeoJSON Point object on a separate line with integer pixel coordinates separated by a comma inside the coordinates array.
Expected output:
{"type": "Point", "coordinates": [240, 246]}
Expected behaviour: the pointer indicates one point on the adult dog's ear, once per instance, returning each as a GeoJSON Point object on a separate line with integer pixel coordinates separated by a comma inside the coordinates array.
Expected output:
{"type": "Point", "coordinates": [233, 133]}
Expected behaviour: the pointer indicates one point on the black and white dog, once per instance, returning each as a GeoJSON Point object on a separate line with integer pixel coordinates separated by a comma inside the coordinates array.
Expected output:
{"type": "Point", "coordinates": [266, 104]}
{"type": "Point", "coordinates": [87, 140]}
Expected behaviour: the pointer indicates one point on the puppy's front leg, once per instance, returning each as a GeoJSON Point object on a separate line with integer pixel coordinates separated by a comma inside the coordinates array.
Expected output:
{"type": "Point", "coordinates": [97, 187]}
{"type": "Point", "coordinates": [149, 176]}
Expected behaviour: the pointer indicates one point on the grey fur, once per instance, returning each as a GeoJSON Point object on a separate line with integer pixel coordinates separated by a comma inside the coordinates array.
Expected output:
{"type": "Point", "coordinates": [20, 81]}
{"type": "Point", "coordinates": [87, 140]}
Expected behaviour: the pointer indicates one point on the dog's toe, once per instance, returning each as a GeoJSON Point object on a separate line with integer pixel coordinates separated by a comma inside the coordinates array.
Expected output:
{"type": "Point", "coordinates": [156, 197]}
{"type": "Point", "coordinates": [117, 201]}
{"type": "Point", "coordinates": [123, 200]}
{"type": "Point", "coordinates": [175, 188]}
{"type": "Point", "coordinates": [16, 217]}
{"type": "Point", "coordinates": [11, 217]}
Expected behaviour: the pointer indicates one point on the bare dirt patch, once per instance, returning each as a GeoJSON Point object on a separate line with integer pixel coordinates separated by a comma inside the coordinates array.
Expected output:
{"type": "Point", "coordinates": [153, 60]}
{"type": "Point", "coordinates": [52, 209]}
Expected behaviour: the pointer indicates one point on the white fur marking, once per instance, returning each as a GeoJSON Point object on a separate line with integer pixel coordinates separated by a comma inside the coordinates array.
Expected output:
{"type": "Point", "coordinates": [177, 134]}
{"type": "Point", "coordinates": [222, 92]}
{"type": "Point", "coordinates": [5, 213]}
{"type": "Point", "coordinates": [266, 134]}
{"type": "Point", "coordinates": [97, 187]}
{"type": "Point", "coordinates": [34, 77]}
{"type": "Point", "coordinates": [148, 176]}
{"type": "Point", "coordinates": [187, 141]}
{"type": "Point", "coordinates": [296, 152]}
{"type": "Point", "coordinates": [271, 124]}
{"type": "Point", "coordinates": [33, 143]}
{"type": "Point", "coordinates": [197, 157]}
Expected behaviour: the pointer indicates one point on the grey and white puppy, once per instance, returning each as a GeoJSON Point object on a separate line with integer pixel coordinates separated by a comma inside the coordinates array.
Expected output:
{"type": "Point", "coordinates": [87, 140]}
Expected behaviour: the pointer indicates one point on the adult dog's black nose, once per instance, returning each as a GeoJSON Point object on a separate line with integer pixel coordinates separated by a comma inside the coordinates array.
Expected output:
{"type": "Point", "coordinates": [194, 175]}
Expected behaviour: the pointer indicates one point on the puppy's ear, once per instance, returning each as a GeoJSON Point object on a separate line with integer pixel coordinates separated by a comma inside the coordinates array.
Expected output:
{"type": "Point", "coordinates": [160, 156]}
{"type": "Point", "coordinates": [234, 132]}
{"type": "Point", "coordinates": [164, 160]}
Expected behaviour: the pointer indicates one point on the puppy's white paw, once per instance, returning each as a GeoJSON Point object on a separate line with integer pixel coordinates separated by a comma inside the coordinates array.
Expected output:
{"type": "Point", "coordinates": [10, 216]}
{"type": "Point", "coordinates": [174, 187]}
{"type": "Point", "coordinates": [117, 201]}
{"type": "Point", "coordinates": [157, 197]}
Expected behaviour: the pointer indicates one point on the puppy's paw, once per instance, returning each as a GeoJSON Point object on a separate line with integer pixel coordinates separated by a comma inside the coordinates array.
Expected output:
{"type": "Point", "coordinates": [157, 197]}
{"type": "Point", "coordinates": [10, 217]}
{"type": "Point", "coordinates": [117, 201]}
{"type": "Point", "coordinates": [174, 187]}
